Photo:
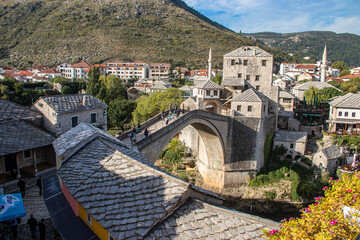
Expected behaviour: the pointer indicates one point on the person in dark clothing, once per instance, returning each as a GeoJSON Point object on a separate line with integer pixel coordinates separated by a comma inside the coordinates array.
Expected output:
{"type": "Point", "coordinates": [21, 185]}
{"type": "Point", "coordinates": [39, 184]}
{"type": "Point", "coordinates": [146, 132]}
{"type": "Point", "coordinates": [42, 228]}
{"type": "Point", "coordinates": [32, 224]}
{"type": "Point", "coordinates": [13, 226]}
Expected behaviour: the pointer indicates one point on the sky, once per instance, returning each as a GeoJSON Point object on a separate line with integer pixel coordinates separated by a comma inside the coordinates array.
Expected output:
{"type": "Point", "coordinates": [282, 16]}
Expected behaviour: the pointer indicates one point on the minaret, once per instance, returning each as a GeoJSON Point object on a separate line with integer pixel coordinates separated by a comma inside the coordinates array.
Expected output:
{"type": "Point", "coordinates": [324, 65]}
{"type": "Point", "coordinates": [210, 65]}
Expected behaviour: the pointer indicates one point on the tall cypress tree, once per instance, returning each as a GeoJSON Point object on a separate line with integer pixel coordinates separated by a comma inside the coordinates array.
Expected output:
{"type": "Point", "coordinates": [93, 83]}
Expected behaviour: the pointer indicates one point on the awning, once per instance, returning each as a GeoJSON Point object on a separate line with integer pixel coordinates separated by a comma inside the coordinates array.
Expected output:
{"type": "Point", "coordinates": [11, 206]}
{"type": "Point", "coordinates": [345, 121]}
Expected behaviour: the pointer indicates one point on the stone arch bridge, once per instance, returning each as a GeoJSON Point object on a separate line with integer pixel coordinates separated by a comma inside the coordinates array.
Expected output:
{"type": "Point", "coordinates": [220, 159]}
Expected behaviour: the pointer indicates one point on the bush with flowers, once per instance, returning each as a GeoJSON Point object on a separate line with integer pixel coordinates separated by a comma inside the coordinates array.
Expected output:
{"type": "Point", "coordinates": [325, 218]}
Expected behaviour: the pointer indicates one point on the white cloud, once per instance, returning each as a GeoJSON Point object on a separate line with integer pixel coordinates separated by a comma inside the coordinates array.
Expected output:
{"type": "Point", "coordinates": [343, 25]}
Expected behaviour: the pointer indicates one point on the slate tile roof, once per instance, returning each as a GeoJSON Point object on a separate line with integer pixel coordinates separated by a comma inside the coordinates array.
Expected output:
{"type": "Point", "coordinates": [10, 110]}
{"type": "Point", "coordinates": [332, 152]}
{"type": "Point", "coordinates": [350, 100]}
{"type": "Point", "coordinates": [319, 85]}
{"type": "Point", "coordinates": [290, 136]}
{"type": "Point", "coordinates": [209, 85]}
{"type": "Point", "coordinates": [248, 51]}
{"type": "Point", "coordinates": [73, 103]}
{"type": "Point", "coordinates": [284, 94]}
{"type": "Point", "coordinates": [250, 95]}
{"type": "Point", "coordinates": [233, 82]}
{"type": "Point", "coordinates": [124, 195]}
{"type": "Point", "coordinates": [17, 136]}
{"type": "Point", "coordinates": [198, 220]}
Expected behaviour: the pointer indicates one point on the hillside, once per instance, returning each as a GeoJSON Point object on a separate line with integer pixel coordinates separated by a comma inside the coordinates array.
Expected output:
{"type": "Point", "coordinates": [341, 47]}
{"type": "Point", "coordinates": [51, 32]}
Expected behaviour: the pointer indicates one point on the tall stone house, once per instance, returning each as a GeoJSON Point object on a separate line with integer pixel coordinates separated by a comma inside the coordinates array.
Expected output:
{"type": "Point", "coordinates": [63, 112]}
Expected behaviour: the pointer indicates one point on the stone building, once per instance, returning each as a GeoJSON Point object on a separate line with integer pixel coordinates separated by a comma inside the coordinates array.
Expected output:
{"type": "Point", "coordinates": [299, 90]}
{"type": "Point", "coordinates": [344, 114]}
{"type": "Point", "coordinates": [294, 142]}
{"type": "Point", "coordinates": [63, 112]}
{"type": "Point", "coordinates": [286, 101]}
{"type": "Point", "coordinates": [250, 103]}
{"type": "Point", "coordinates": [24, 147]}
{"type": "Point", "coordinates": [118, 194]}
{"type": "Point", "coordinates": [208, 96]}
{"type": "Point", "coordinates": [328, 159]}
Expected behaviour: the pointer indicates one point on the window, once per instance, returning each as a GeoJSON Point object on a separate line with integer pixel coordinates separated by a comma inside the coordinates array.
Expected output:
{"type": "Point", "coordinates": [263, 63]}
{"type": "Point", "coordinates": [248, 77]}
{"type": "Point", "coordinates": [215, 92]}
{"type": "Point", "coordinates": [249, 108]}
{"type": "Point", "coordinates": [93, 118]}
{"type": "Point", "coordinates": [27, 153]}
{"type": "Point", "coordinates": [291, 145]}
{"type": "Point", "coordinates": [346, 114]}
{"type": "Point", "coordinates": [287, 100]}
{"type": "Point", "coordinates": [74, 121]}
{"type": "Point", "coordinates": [353, 114]}
{"type": "Point", "coordinates": [257, 87]}
{"type": "Point", "coordinates": [239, 75]}
{"type": "Point", "coordinates": [257, 77]}
{"type": "Point", "coordinates": [264, 108]}
{"type": "Point", "coordinates": [232, 62]}
{"type": "Point", "coordinates": [238, 108]}
{"type": "Point", "coordinates": [89, 219]}
{"type": "Point", "coordinates": [207, 92]}
{"type": "Point", "coordinates": [245, 62]}
{"type": "Point", "coordinates": [340, 114]}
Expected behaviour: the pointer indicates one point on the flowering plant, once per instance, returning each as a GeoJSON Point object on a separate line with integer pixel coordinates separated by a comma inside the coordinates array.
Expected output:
{"type": "Point", "coordinates": [325, 219]}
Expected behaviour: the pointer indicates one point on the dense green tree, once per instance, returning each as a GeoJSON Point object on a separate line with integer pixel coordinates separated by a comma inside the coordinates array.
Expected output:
{"type": "Point", "coordinates": [93, 84]}
{"type": "Point", "coordinates": [327, 93]}
{"type": "Point", "coordinates": [119, 112]}
{"type": "Point", "coordinates": [218, 78]}
{"type": "Point", "coordinates": [111, 88]}
{"type": "Point", "coordinates": [148, 106]}
{"type": "Point", "coordinates": [344, 72]}
{"type": "Point", "coordinates": [352, 85]}
{"type": "Point", "coordinates": [60, 80]}
{"type": "Point", "coordinates": [340, 65]}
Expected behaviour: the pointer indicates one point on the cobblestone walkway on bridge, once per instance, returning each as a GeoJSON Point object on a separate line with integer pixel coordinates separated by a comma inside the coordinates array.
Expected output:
{"type": "Point", "coordinates": [153, 128]}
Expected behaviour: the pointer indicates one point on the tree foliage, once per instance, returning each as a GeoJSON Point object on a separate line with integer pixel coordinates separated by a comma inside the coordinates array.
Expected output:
{"type": "Point", "coordinates": [148, 106]}
{"type": "Point", "coordinates": [93, 85]}
{"type": "Point", "coordinates": [325, 218]}
{"type": "Point", "coordinates": [340, 65]}
{"type": "Point", "coordinates": [119, 112]}
{"type": "Point", "coordinates": [218, 78]}
{"type": "Point", "coordinates": [174, 152]}
{"type": "Point", "coordinates": [314, 95]}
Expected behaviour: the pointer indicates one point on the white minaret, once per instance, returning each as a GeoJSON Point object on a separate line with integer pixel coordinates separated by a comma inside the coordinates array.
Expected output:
{"type": "Point", "coordinates": [210, 65]}
{"type": "Point", "coordinates": [324, 65]}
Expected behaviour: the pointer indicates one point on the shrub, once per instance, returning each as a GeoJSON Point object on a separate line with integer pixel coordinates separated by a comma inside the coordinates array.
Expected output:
{"type": "Point", "coordinates": [325, 218]}
{"type": "Point", "coordinates": [173, 153]}
{"type": "Point", "coordinates": [270, 194]}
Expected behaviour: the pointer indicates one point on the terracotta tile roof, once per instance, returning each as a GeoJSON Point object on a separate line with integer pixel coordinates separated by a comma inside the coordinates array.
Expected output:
{"type": "Point", "coordinates": [25, 73]}
{"type": "Point", "coordinates": [160, 64]}
{"type": "Point", "coordinates": [39, 67]}
{"type": "Point", "coordinates": [81, 65]}
{"type": "Point", "coordinates": [351, 76]}
{"type": "Point", "coordinates": [49, 71]}
{"type": "Point", "coordinates": [306, 66]}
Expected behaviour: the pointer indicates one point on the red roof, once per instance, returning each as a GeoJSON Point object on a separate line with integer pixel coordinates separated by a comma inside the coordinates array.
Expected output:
{"type": "Point", "coordinates": [81, 65]}
{"type": "Point", "coordinates": [351, 76]}
{"type": "Point", "coordinates": [306, 66]}
{"type": "Point", "coordinates": [49, 71]}
{"type": "Point", "coordinates": [339, 80]}
{"type": "Point", "coordinates": [160, 64]}
{"type": "Point", "coordinates": [39, 67]}
{"type": "Point", "coordinates": [25, 73]}
{"type": "Point", "coordinates": [143, 85]}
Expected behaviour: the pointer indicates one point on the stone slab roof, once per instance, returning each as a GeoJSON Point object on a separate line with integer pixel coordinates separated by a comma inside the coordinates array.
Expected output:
{"type": "Point", "coordinates": [284, 94]}
{"type": "Point", "coordinates": [319, 85]}
{"type": "Point", "coordinates": [73, 103]}
{"type": "Point", "coordinates": [233, 82]}
{"type": "Point", "coordinates": [124, 195]}
{"type": "Point", "coordinates": [17, 136]}
{"type": "Point", "coordinates": [186, 88]}
{"type": "Point", "coordinates": [209, 85]}
{"type": "Point", "coordinates": [350, 100]}
{"type": "Point", "coordinates": [289, 136]}
{"type": "Point", "coordinates": [10, 110]}
{"type": "Point", "coordinates": [250, 95]}
{"type": "Point", "coordinates": [198, 220]}
{"type": "Point", "coordinates": [332, 152]}
{"type": "Point", "coordinates": [69, 141]}
{"type": "Point", "coordinates": [248, 51]}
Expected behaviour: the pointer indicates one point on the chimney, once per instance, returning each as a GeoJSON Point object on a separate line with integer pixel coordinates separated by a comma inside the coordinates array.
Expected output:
{"type": "Point", "coordinates": [254, 52]}
{"type": "Point", "coordinates": [85, 100]}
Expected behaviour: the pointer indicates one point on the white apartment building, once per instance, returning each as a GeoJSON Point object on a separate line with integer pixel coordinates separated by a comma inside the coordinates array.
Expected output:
{"type": "Point", "coordinates": [159, 70]}
{"type": "Point", "coordinates": [76, 70]}
{"type": "Point", "coordinates": [128, 70]}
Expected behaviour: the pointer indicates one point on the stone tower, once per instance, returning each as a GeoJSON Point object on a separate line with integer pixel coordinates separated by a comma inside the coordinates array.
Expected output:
{"type": "Point", "coordinates": [324, 65]}
{"type": "Point", "coordinates": [210, 65]}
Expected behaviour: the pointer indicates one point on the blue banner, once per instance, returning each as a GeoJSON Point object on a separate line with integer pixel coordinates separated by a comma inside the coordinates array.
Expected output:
{"type": "Point", "coordinates": [11, 206]}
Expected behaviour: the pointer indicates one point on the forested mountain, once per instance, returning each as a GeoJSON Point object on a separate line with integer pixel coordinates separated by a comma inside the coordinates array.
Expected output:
{"type": "Point", "coordinates": [55, 31]}
{"type": "Point", "coordinates": [341, 47]}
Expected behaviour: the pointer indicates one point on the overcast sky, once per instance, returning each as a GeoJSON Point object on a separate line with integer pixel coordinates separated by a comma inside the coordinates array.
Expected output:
{"type": "Point", "coordinates": [284, 16]}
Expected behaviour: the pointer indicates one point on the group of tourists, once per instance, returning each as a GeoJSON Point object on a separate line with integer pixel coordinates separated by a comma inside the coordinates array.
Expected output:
{"type": "Point", "coordinates": [136, 130]}
{"type": "Point", "coordinates": [174, 112]}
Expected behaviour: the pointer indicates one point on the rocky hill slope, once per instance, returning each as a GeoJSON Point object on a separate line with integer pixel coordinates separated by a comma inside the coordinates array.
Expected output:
{"type": "Point", "coordinates": [341, 47]}
{"type": "Point", "coordinates": [55, 31]}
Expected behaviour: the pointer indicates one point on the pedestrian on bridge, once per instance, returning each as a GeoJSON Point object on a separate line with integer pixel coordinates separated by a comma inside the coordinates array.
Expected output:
{"type": "Point", "coordinates": [146, 132]}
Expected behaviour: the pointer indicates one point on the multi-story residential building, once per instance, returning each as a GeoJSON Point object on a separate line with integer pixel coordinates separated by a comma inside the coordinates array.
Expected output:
{"type": "Point", "coordinates": [63, 112]}
{"type": "Point", "coordinates": [49, 73]}
{"type": "Point", "coordinates": [76, 70]}
{"type": "Point", "coordinates": [159, 70]}
{"type": "Point", "coordinates": [344, 116]}
{"type": "Point", "coordinates": [128, 70]}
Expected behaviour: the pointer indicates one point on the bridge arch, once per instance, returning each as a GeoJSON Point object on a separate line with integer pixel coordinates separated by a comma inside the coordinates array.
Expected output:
{"type": "Point", "coordinates": [211, 141]}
